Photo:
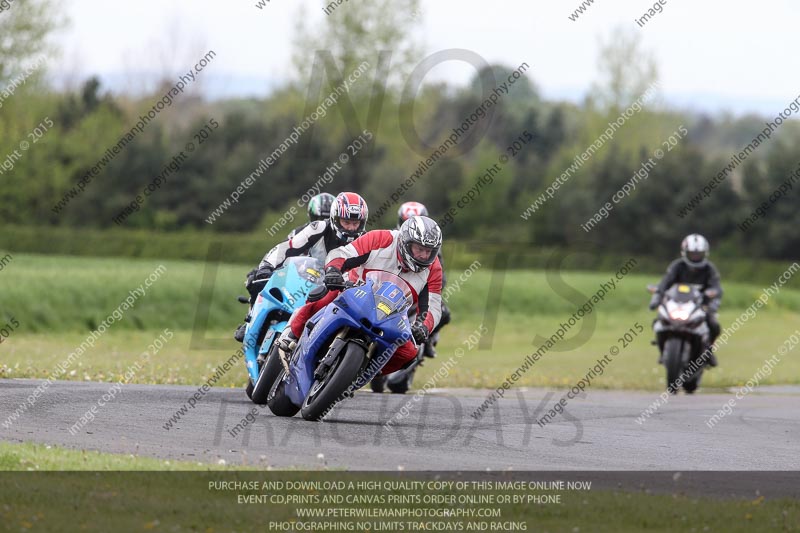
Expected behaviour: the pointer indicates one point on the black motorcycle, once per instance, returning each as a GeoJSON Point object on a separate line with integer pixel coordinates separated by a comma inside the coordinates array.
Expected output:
{"type": "Point", "coordinates": [682, 334]}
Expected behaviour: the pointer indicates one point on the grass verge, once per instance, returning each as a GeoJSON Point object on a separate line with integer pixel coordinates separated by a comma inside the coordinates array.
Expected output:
{"type": "Point", "coordinates": [57, 301]}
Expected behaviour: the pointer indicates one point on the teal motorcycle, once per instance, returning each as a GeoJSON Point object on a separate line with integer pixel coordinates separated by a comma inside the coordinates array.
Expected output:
{"type": "Point", "coordinates": [286, 291]}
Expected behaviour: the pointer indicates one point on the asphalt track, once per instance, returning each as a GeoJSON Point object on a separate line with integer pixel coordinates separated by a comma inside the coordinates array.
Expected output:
{"type": "Point", "coordinates": [597, 432]}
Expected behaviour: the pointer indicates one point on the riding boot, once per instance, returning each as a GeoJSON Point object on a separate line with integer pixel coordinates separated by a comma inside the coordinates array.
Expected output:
{"type": "Point", "coordinates": [238, 335]}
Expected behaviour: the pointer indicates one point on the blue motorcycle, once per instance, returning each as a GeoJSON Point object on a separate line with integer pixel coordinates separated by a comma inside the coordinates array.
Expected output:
{"type": "Point", "coordinates": [343, 346]}
{"type": "Point", "coordinates": [286, 291]}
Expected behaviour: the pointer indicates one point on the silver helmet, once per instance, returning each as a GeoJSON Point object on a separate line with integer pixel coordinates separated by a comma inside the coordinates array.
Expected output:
{"type": "Point", "coordinates": [694, 250]}
{"type": "Point", "coordinates": [418, 243]}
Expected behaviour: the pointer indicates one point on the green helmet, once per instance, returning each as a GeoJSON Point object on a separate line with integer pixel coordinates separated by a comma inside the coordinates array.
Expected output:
{"type": "Point", "coordinates": [319, 208]}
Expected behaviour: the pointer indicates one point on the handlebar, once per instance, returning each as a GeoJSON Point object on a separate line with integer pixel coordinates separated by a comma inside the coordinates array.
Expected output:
{"type": "Point", "coordinates": [709, 293]}
{"type": "Point", "coordinates": [346, 285]}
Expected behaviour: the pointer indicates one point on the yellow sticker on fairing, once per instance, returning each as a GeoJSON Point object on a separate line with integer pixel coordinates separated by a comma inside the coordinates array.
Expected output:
{"type": "Point", "coordinates": [684, 288]}
{"type": "Point", "coordinates": [383, 307]}
{"type": "Point", "coordinates": [314, 273]}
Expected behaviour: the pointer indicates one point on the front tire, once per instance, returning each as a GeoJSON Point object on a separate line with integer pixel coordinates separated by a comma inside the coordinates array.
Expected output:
{"type": "Point", "coordinates": [266, 378]}
{"type": "Point", "coordinates": [249, 389]}
{"type": "Point", "coordinates": [691, 384]}
{"type": "Point", "coordinates": [324, 394]}
{"type": "Point", "coordinates": [278, 402]}
{"type": "Point", "coordinates": [673, 360]}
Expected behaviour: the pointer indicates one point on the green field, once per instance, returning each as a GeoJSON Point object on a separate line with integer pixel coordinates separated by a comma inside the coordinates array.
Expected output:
{"type": "Point", "coordinates": [29, 457]}
{"type": "Point", "coordinates": [57, 301]}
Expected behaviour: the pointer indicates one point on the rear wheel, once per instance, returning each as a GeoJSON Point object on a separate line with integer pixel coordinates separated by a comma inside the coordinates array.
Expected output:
{"type": "Point", "coordinates": [378, 383]}
{"type": "Point", "coordinates": [249, 389]}
{"type": "Point", "coordinates": [278, 402]}
{"type": "Point", "coordinates": [673, 360]}
{"type": "Point", "coordinates": [327, 391]}
{"type": "Point", "coordinates": [266, 378]}
{"type": "Point", "coordinates": [403, 385]}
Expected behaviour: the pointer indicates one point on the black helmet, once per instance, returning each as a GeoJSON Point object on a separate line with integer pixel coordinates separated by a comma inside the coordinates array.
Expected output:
{"type": "Point", "coordinates": [319, 208]}
{"type": "Point", "coordinates": [410, 209]}
{"type": "Point", "coordinates": [418, 232]}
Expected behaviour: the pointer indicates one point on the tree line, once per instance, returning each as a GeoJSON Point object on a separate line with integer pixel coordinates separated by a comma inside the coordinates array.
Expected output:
{"type": "Point", "coordinates": [406, 121]}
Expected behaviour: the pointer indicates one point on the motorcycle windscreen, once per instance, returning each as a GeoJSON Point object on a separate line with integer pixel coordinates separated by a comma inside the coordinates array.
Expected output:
{"type": "Point", "coordinates": [299, 276]}
{"type": "Point", "coordinates": [392, 294]}
{"type": "Point", "coordinates": [683, 293]}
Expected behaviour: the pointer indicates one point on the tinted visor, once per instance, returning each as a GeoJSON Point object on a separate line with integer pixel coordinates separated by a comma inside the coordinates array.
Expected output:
{"type": "Point", "coordinates": [695, 257]}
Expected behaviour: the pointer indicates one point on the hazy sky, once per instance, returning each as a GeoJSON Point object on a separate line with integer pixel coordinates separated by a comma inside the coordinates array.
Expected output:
{"type": "Point", "coordinates": [713, 55]}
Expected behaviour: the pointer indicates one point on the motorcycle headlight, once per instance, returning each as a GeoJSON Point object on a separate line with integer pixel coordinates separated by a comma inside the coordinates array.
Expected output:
{"type": "Point", "coordinates": [679, 314]}
{"type": "Point", "coordinates": [697, 317]}
{"type": "Point", "coordinates": [382, 310]}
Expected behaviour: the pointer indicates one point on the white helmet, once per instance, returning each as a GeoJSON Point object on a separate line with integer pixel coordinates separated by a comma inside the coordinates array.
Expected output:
{"type": "Point", "coordinates": [694, 250]}
{"type": "Point", "coordinates": [408, 210]}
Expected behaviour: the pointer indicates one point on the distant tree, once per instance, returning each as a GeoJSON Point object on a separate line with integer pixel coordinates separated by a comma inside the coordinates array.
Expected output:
{"type": "Point", "coordinates": [378, 32]}
{"type": "Point", "coordinates": [359, 31]}
{"type": "Point", "coordinates": [24, 28]}
{"type": "Point", "coordinates": [552, 135]}
{"type": "Point", "coordinates": [626, 70]}
{"type": "Point", "coordinates": [774, 235]}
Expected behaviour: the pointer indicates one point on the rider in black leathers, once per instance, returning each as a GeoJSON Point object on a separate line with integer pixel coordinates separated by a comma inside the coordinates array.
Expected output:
{"type": "Point", "coordinates": [694, 268]}
{"type": "Point", "coordinates": [347, 221]}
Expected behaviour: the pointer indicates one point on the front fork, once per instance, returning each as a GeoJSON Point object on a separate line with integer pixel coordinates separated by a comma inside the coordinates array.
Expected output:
{"type": "Point", "coordinates": [335, 348]}
{"type": "Point", "coordinates": [697, 343]}
{"type": "Point", "coordinates": [366, 375]}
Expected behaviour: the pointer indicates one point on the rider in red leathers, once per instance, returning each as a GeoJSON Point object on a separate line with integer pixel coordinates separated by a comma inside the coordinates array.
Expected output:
{"type": "Point", "coordinates": [411, 254]}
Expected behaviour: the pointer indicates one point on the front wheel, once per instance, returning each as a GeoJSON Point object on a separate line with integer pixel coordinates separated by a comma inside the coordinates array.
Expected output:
{"type": "Point", "coordinates": [673, 360]}
{"type": "Point", "coordinates": [249, 389]}
{"type": "Point", "coordinates": [278, 401]}
{"type": "Point", "coordinates": [326, 392]}
{"type": "Point", "coordinates": [691, 384]}
{"type": "Point", "coordinates": [266, 378]}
